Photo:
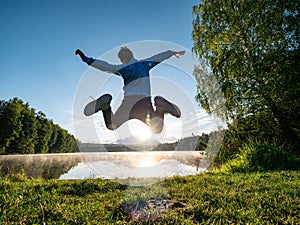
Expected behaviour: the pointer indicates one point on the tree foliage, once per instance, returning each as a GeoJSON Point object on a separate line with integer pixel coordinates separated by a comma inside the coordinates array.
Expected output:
{"type": "Point", "coordinates": [23, 131]}
{"type": "Point", "coordinates": [252, 47]}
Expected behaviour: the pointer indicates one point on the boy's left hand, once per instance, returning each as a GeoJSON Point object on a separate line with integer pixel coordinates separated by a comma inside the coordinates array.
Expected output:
{"type": "Point", "coordinates": [178, 54]}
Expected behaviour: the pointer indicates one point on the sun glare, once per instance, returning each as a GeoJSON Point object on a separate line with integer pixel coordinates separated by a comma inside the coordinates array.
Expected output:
{"type": "Point", "coordinates": [140, 131]}
{"type": "Point", "coordinates": [147, 162]}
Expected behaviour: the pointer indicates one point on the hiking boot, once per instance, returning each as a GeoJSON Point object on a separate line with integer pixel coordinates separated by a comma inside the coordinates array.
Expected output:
{"type": "Point", "coordinates": [163, 106]}
{"type": "Point", "coordinates": [102, 103]}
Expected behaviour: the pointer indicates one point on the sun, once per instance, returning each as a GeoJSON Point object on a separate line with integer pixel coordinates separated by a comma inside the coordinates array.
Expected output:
{"type": "Point", "coordinates": [140, 131]}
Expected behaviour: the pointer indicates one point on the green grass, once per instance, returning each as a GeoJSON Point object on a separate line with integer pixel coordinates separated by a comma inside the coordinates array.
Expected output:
{"type": "Point", "coordinates": [262, 157]}
{"type": "Point", "coordinates": [211, 198]}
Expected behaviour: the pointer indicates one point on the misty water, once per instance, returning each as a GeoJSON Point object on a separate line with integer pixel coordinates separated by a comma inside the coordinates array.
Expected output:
{"type": "Point", "coordinates": [107, 165]}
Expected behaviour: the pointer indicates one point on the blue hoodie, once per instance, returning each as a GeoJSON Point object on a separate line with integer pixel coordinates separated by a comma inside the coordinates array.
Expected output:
{"type": "Point", "coordinates": [135, 74]}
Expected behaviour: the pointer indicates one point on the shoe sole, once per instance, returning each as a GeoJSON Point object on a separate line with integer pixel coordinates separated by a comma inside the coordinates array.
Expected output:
{"type": "Point", "coordinates": [167, 107]}
{"type": "Point", "coordinates": [97, 105]}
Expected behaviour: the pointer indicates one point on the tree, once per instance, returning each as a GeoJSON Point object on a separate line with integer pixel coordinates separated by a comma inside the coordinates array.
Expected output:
{"type": "Point", "coordinates": [18, 127]}
{"type": "Point", "coordinates": [9, 123]}
{"type": "Point", "coordinates": [44, 133]}
{"type": "Point", "coordinates": [64, 142]}
{"type": "Point", "coordinates": [252, 48]}
{"type": "Point", "coordinates": [22, 131]}
{"type": "Point", "coordinates": [25, 143]}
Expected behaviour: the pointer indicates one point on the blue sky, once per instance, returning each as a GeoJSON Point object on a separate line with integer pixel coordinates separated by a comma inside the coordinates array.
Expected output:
{"type": "Point", "coordinates": [38, 40]}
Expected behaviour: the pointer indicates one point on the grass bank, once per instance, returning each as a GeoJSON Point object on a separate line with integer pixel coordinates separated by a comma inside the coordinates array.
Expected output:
{"type": "Point", "coordinates": [211, 198]}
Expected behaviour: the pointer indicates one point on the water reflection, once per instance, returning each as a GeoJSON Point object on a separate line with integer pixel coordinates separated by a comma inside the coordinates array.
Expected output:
{"type": "Point", "coordinates": [123, 170]}
{"type": "Point", "coordinates": [108, 165]}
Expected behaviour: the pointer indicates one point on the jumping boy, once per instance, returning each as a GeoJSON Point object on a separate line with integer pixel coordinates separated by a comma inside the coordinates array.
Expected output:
{"type": "Point", "coordinates": [137, 98]}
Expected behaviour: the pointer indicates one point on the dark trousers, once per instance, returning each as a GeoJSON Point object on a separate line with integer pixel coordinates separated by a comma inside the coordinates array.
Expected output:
{"type": "Point", "coordinates": [134, 107]}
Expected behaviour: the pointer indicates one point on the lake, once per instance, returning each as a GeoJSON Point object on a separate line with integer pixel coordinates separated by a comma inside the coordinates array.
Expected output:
{"type": "Point", "coordinates": [107, 165]}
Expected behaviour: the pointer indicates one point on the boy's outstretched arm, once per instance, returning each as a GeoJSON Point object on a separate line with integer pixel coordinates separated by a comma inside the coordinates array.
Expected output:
{"type": "Point", "coordinates": [98, 64]}
{"type": "Point", "coordinates": [164, 55]}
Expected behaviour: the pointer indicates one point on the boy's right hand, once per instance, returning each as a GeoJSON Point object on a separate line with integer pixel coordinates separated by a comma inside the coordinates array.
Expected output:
{"type": "Point", "coordinates": [79, 52]}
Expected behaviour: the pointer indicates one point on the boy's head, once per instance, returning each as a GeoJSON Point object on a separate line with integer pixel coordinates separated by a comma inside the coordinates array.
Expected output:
{"type": "Point", "coordinates": [125, 55]}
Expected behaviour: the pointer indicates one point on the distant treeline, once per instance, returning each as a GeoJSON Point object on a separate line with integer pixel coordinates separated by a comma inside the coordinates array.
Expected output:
{"type": "Point", "coordinates": [193, 143]}
{"type": "Point", "coordinates": [25, 131]}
